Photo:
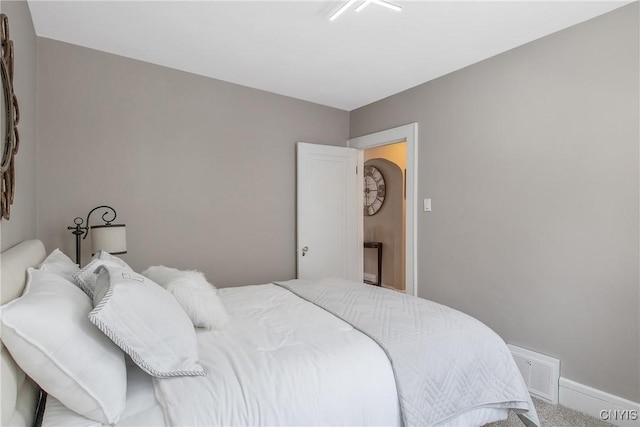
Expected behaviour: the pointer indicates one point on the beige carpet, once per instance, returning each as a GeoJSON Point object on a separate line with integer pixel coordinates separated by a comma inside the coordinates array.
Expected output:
{"type": "Point", "coordinates": [554, 416]}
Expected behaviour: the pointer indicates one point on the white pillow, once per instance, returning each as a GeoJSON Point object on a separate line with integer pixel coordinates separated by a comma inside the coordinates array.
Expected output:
{"type": "Point", "coordinates": [57, 262]}
{"type": "Point", "coordinates": [86, 277]}
{"type": "Point", "coordinates": [50, 337]}
{"type": "Point", "coordinates": [197, 297]}
{"type": "Point", "coordinates": [146, 322]}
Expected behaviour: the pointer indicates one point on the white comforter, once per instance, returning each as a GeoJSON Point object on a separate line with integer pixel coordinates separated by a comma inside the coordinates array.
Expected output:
{"type": "Point", "coordinates": [282, 361]}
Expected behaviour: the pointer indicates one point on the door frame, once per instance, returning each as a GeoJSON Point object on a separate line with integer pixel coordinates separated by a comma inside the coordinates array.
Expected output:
{"type": "Point", "coordinates": [409, 134]}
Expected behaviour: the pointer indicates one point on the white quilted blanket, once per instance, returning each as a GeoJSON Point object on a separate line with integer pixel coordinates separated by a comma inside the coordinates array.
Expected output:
{"type": "Point", "coordinates": [445, 362]}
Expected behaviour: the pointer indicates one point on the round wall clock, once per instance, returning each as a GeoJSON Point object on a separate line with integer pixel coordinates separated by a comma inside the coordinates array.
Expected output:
{"type": "Point", "coordinates": [374, 190]}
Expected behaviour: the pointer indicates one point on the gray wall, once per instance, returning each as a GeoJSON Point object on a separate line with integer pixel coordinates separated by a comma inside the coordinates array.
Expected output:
{"type": "Point", "coordinates": [201, 171]}
{"type": "Point", "coordinates": [22, 224]}
{"type": "Point", "coordinates": [531, 159]}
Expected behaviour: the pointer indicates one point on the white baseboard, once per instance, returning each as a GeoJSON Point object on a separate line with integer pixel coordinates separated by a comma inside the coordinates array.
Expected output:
{"type": "Point", "coordinates": [599, 404]}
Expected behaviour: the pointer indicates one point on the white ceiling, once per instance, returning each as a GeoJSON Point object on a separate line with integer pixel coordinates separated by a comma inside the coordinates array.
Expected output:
{"type": "Point", "coordinates": [291, 47]}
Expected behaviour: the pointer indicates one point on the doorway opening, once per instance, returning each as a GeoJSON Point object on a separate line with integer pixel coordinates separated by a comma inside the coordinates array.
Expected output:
{"type": "Point", "coordinates": [408, 135]}
{"type": "Point", "coordinates": [384, 225]}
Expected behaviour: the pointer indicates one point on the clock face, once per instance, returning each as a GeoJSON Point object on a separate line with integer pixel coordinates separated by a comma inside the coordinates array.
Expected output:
{"type": "Point", "coordinates": [374, 190]}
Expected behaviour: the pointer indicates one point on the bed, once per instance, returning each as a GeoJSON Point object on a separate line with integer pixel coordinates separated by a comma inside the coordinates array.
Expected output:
{"type": "Point", "coordinates": [304, 353]}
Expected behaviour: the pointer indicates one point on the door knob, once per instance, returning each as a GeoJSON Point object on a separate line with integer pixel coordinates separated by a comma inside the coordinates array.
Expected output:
{"type": "Point", "coordinates": [304, 250]}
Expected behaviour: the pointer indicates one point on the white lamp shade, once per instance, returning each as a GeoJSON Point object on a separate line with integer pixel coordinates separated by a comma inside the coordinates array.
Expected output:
{"type": "Point", "coordinates": [111, 238]}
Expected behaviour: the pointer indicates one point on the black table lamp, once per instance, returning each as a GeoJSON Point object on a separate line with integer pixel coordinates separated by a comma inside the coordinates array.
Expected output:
{"type": "Point", "coordinates": [108, 237]}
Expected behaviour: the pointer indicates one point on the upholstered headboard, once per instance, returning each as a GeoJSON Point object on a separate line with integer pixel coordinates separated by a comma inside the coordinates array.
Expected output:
{"type": "Point", "coordinates": [19, 393]}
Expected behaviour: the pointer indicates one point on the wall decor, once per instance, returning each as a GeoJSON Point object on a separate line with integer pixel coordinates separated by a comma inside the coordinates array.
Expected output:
{"type": "Point", "coordinates": [374, 190]}
{"type": "Point", "coordinates": [10, 116]}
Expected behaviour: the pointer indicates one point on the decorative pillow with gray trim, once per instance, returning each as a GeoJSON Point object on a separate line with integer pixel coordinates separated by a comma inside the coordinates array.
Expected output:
{"type": "Point", "coordinates": [86, 277]}
{"type": "Point", "coordinates": [146, 322]}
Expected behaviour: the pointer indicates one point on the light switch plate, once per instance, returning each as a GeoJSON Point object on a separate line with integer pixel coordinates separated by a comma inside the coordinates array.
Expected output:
{"type": "Point", "coordinates": [427, 205]}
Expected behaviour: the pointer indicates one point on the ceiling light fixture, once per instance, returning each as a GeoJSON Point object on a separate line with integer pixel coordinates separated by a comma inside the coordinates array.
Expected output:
{"type": "Point", "coordinates": [340, 11]}
{"type": "Point", "coordinates": [382, 3]}
{"type": "Point", "coordinates": [364, 4]}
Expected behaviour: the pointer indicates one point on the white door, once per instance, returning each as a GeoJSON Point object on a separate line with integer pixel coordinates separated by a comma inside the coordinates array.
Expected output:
{"type": "Point", "coordinates": [328, 212]}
